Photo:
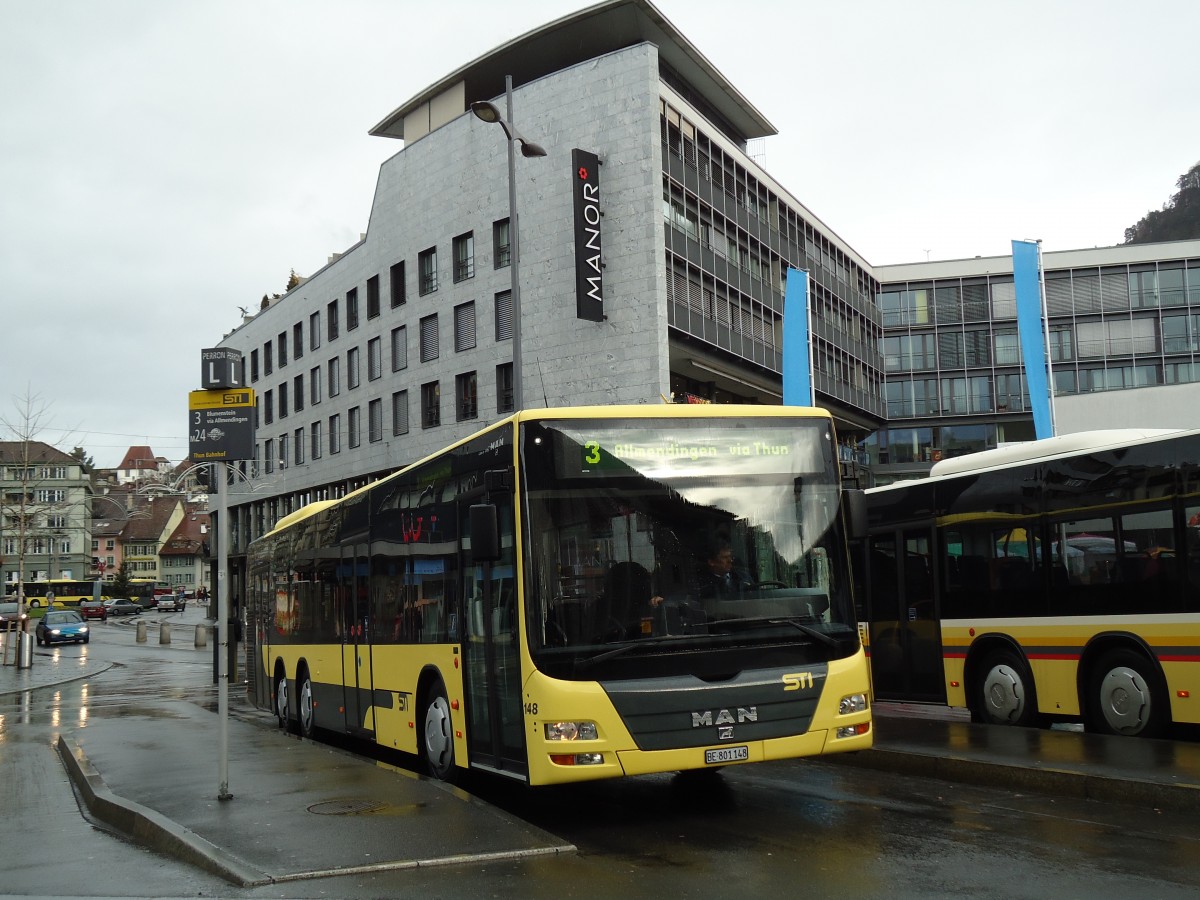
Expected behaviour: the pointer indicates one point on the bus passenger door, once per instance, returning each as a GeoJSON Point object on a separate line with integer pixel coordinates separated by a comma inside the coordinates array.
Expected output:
{"type": "Point", "coordinates": [491, 654]}
{"type": "Point", "coordinates": [906, 646]}
{"type": "Point", "coordinates": [356, 639]}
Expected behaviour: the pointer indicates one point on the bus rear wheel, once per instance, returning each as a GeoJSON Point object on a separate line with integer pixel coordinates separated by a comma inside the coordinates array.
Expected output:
{"type": "Point", "coordinates": [437, 744]}
{"type": "Point", "coordinates": [1127, 696]}
{"type": "Point", "coordinates": [1004, 693]}
{"type": "Point", "coordinates": [282, 713]}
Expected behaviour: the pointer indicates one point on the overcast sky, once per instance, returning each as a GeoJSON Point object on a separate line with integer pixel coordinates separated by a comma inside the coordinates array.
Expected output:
{"type": "Point", "coordinates": [164, 163]}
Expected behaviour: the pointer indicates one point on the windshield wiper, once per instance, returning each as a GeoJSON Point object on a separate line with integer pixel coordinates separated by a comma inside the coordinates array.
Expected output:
{"type": "Point", "coordinates": [815, 633]}
{"type": "Point", "coordinates": [631, 645]}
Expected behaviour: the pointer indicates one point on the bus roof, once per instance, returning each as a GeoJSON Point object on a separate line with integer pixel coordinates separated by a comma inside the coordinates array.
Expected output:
{"type": "Point", "coordinates": [1049, 448]}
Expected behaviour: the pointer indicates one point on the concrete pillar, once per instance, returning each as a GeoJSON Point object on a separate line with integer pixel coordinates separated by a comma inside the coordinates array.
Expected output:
{"type": "Point", "coordinates": [201, 635]}
{"type": "Point", "coordinates": [164, 632]}
{"type": "Point", "coordinates": [141, 632]}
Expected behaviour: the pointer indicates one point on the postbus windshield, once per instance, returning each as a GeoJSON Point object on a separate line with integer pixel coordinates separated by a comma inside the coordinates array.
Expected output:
{"type": "Point", "coordinates": [660, 537]}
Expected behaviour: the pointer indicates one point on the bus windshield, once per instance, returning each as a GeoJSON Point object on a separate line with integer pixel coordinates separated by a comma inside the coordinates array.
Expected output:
{"type": "Point", "coordinates": [657, 536]}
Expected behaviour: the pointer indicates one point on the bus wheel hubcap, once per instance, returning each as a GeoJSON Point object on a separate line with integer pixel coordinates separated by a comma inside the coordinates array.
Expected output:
{"type": "Point", "coordinates": [1125, 700]}
{"type": "Point", "coordinates": [1004, 694]}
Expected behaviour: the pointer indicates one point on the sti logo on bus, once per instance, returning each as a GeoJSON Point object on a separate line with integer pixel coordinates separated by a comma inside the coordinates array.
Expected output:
{"type": "Point", "coordinates": [589, 262]}
{"type": "Point", "coordinates": [793, 681]}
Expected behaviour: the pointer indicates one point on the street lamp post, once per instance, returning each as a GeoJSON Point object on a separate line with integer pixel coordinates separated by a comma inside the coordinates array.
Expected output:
{"type": "Point", "coordinates": [488, 112]}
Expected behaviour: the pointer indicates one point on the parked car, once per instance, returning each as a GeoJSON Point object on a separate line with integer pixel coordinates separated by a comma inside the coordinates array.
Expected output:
{"type": "Point", "coordinates": [167, 602]}
{"type": "Point", "coordinates": [8, 611]}
{"type": "Point", "coordinates": [60, 626]}
{"type": "Point", "coordinates": [93, 609]}
{"type": "Point", "coordinates": [119, 606]}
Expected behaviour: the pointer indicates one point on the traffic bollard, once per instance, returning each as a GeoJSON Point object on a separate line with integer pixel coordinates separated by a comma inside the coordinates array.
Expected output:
{"type": "Point", "coordinates": [164, 632]}
{"type": "Point", "coordinates": [201, 636]}
{"type": "Point", "coordinates": [141, 632]}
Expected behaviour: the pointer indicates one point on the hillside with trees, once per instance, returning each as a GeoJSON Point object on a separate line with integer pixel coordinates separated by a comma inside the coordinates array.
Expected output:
{"type": "Point", "coordinates": [1178, 220]}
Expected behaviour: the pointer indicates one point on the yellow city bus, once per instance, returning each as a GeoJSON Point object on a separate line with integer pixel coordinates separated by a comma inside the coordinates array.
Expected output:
{"type": "Point", "coordinates": [66, 591]}
{"type": "Point", "coordinates": [1055, 580]}
{"type": "Point", "coordinates": [530, 601]}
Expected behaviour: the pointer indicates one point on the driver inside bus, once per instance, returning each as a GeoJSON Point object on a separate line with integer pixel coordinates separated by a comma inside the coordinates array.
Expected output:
{"type": "Point", "coordinates": [721, 579]}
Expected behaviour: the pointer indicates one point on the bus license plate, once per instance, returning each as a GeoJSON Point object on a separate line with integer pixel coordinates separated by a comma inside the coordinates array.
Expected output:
{"type": "Point", "coordinates": [726, 754]}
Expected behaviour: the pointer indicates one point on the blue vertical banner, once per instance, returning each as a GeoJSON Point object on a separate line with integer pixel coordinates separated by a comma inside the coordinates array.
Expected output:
{"type": "Point", "coordinates": [1027, 280]}
{"type": "Point", "coordinates": [797, 342]}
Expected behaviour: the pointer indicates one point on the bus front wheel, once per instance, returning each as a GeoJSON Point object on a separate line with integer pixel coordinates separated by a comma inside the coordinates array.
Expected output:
{"type": "Point", "coordinates": [1004, 693]}
{"type": "Point", "coordinates": [304, 706]}
{"type": "Point", "coordinates": [437, 745]}
{"type": "Point", "coordinates": [1127, 696]}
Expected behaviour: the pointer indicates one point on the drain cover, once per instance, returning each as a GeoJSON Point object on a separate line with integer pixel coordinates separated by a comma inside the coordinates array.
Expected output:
{"type": "Point", "coordinates": [345, 807]}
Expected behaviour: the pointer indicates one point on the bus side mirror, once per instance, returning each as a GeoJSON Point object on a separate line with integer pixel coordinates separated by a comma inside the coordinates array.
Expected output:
{"type": "Point", "coordinates": [854, 501]}
{"type": "Point", "coordinates": [485, 533]}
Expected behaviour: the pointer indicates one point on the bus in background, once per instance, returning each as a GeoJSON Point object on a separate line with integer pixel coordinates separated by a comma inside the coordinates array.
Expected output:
{"type": "Point", "coordinates": [146, 591]}
{"type": "Point", "coordinates": [66, 591]}
{"type": "Point", "coordinates": [1055, 580]}
{"type": "Point", "coordinates": [534, 600]}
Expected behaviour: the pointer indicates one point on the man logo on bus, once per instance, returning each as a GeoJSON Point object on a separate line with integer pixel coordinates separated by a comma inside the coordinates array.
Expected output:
{"type": "Point", "coordinates": [710, 717]}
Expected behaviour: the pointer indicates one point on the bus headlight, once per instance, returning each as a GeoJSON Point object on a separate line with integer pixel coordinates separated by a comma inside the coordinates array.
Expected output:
{"type": "Point", "coordinates": [571, 731]}
{"type": "Point", "coordinates": [854, 730]}
{"type": "Point", "coordinates": [855, 703]}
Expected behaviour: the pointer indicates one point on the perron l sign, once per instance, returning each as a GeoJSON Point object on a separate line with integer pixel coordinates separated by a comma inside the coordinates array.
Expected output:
{"type": "Point", "coordinates": [589, 266]}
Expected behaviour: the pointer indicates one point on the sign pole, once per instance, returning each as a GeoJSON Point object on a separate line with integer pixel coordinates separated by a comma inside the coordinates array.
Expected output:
{"type": "Point", "coordinates": [219, 475]}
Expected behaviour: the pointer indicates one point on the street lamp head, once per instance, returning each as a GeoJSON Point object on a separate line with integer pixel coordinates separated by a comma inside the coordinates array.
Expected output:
{"type": "Point", "coordinates": [529, 148]}
{"type": "Point", "coordinates": [485, 111]}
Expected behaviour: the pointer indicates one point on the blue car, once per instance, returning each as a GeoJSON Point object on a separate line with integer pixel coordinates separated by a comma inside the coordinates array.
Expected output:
{"type": "Point", "coordinates": [59, 626]}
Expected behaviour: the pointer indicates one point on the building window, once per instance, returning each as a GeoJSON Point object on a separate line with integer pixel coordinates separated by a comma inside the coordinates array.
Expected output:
{"type": "Point", "coordinates": [429, 338]}
{"type": "Point", "coordinates": [400, 413]}
{"type": "Point", "coordinates": [399, 348]}
{"type": "Point", "coordinates": [351, 309]}
{"type": "Point", "coordinates": [354, 427]}
{"type": "Point", "coordinates": [283, 400]}
{"type": "Point", "coordinates": [254, 365]}
{"type": "Point", "coordinates": [431, 403]}
{"type": "Point", "coordinates": [331, 320]}
{"type": "Point", "coordinates": [317, 436]}
{"type": "Point", "coordinates": [375, 421]}
{"type": "Point", "coordinates": [501, 256]}
{"type": "Point", "coordinates": [373, 297]}
{"type": "Point", "coordinates": [297, 340]}
{"type": "Point", "coordinates": [352, 367]}
{"type": "Point", "coordinates": [335, 434]}
{"type": "Point", "coordinates": [464, 326]}
{"type": "Point", "coordinates": [504, 316]}
{"type": "Point", "coordinates": [427, 271]}
{"type": "Point", "coordinates": [504, 388]}
{"type": "Point", "coordinates": [464, 257]}
{"type": "Point", "coordinates": [298, 446]}
{"type": "Point", "coordinates": [466, 400]}
{"type": "Point", "coordinates": [283, 347]}
{"type": "Point", "coordinates": [268, 365]}
{"type": "Point", "coordinates": [268, 408]}
{"type": "Point", "coordinates": [374, 358]}
{"type": "Point", "coordinates": [298, 392]}
{"type": "Point", "coordinates": [335, 376]}
{"type": "Point", "coordinates": [396, 284]}
{"type": "Point", "coordinates": [314, 331]}
{"type": "Point", "coordinates": [269, 457]}
{"type": "Point", "coordinates": [314, 385]}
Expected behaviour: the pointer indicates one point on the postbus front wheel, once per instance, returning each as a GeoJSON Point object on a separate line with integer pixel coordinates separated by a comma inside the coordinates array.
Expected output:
{"type": "Point", "coordinates": [437, 744]}
{"type": "Point", "coordinates": [1004, 692]}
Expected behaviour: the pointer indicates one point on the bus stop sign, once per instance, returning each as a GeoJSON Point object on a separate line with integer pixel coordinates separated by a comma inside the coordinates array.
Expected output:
{"type": "Point", "coordinates": [221, 425]}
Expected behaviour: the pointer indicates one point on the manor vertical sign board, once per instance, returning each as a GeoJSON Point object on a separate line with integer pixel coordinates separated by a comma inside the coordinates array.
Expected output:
{"type": "Point", "coordinates": [221, 425]}
{"type": "Point", "coordinates": [589, 264]}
